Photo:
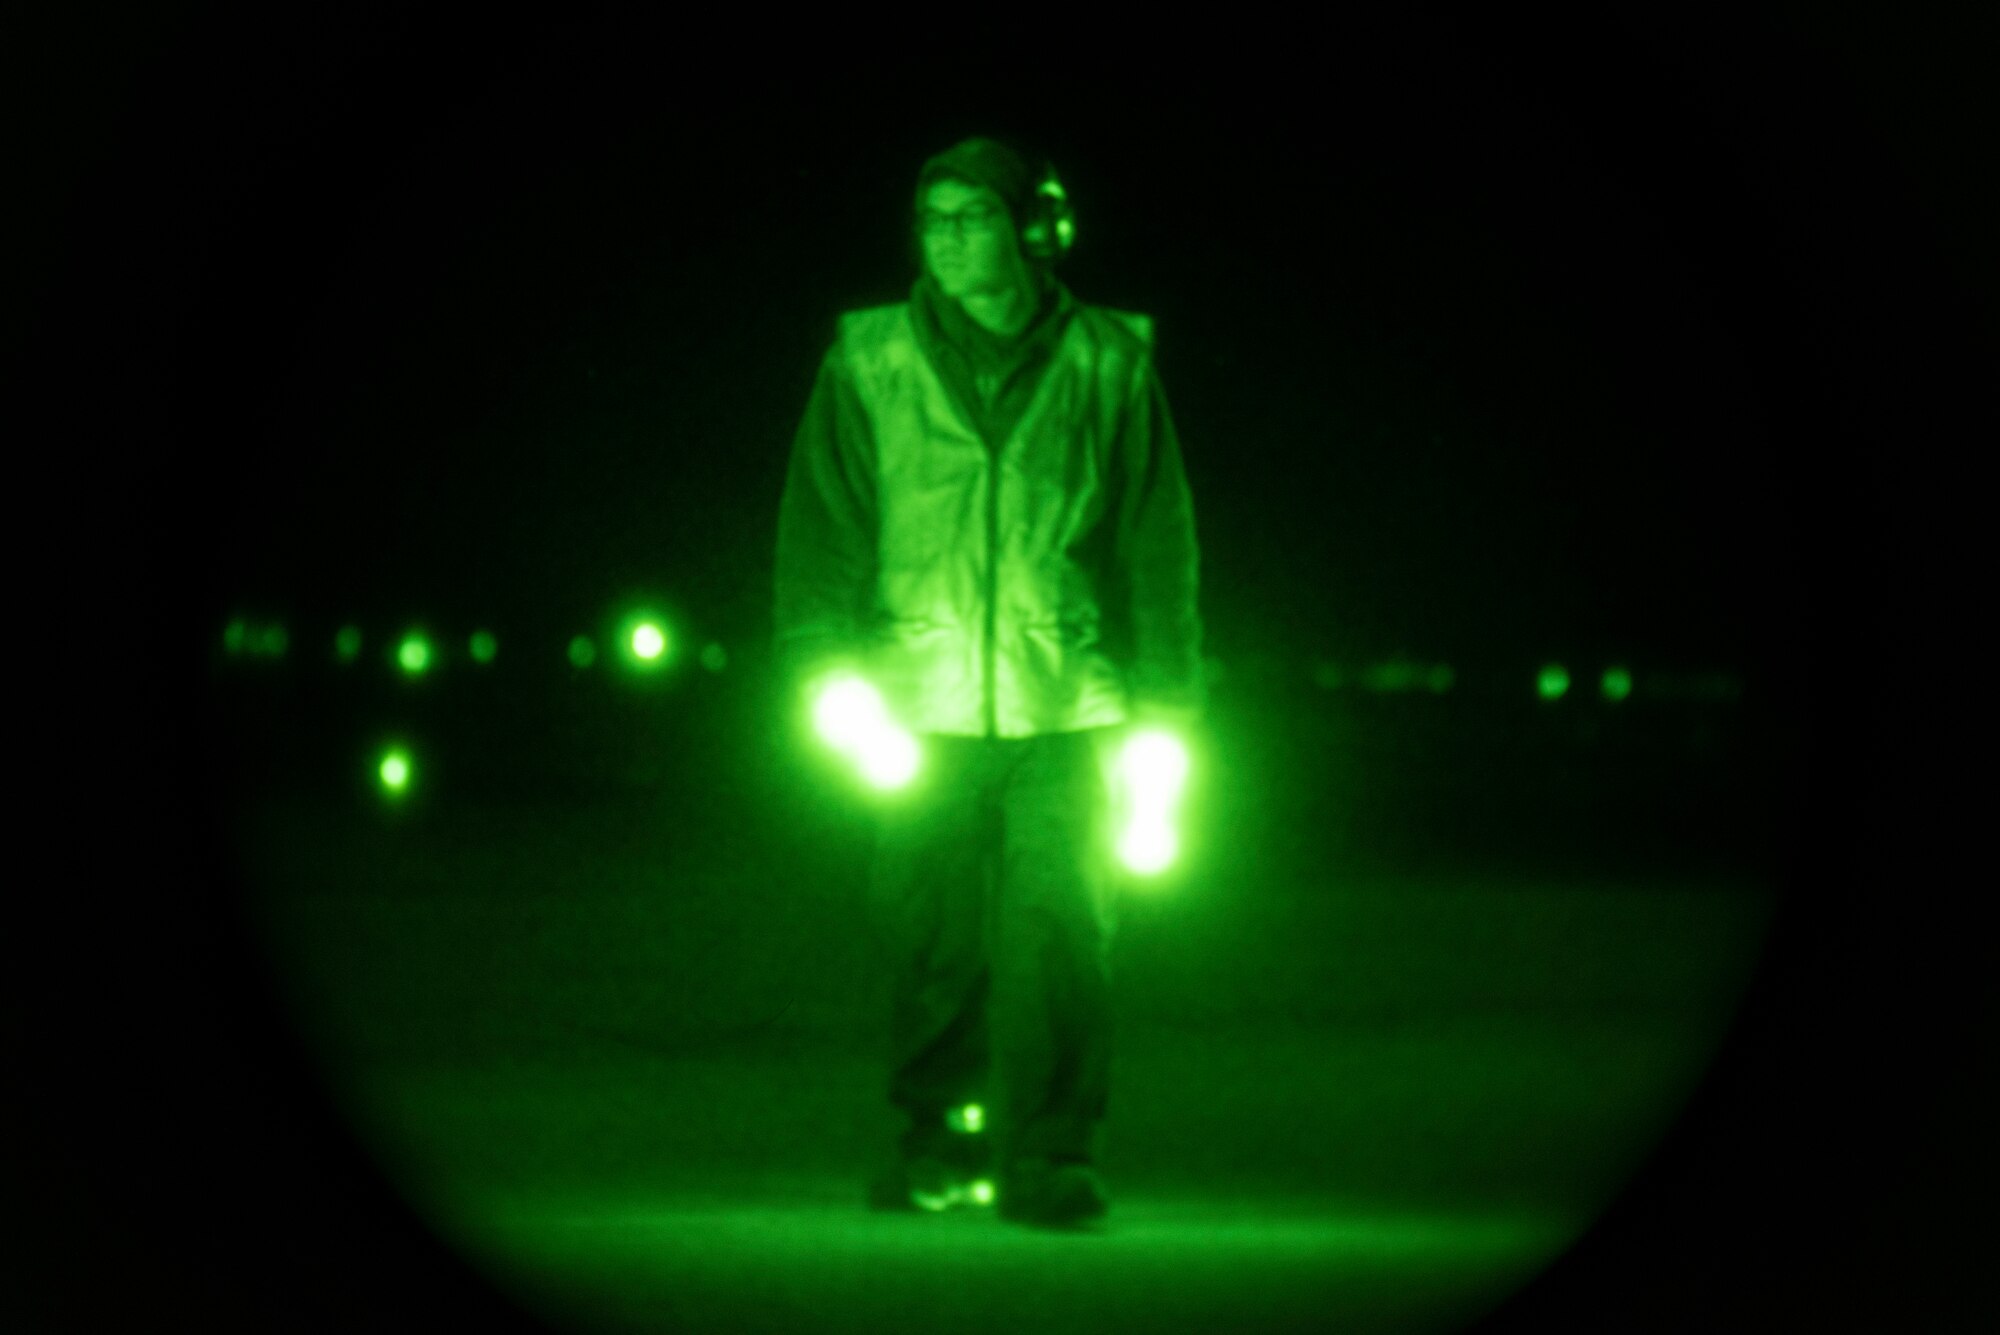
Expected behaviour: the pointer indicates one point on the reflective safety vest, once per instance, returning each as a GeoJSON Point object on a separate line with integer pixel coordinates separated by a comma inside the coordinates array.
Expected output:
{"type": "Point", "coordinates": [989, 613]}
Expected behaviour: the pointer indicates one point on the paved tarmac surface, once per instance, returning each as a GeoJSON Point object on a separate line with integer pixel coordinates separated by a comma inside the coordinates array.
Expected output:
{"type": "Point", "coordinates": [629, 1075]}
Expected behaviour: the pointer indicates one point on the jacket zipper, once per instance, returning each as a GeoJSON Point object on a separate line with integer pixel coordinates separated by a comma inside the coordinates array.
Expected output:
{"type": "Point", "coordinates": [992, 592]}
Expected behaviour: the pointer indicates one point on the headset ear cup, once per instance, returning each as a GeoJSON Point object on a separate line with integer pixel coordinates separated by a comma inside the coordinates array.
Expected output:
{"type": "Point", "coordinates": [1047, 235]}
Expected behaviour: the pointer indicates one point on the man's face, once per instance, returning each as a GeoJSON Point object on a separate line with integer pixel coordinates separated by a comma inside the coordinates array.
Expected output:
{"type": "Point", "coordinates": [968, 240]}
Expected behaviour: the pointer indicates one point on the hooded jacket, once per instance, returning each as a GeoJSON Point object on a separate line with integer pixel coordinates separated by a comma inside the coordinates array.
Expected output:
{"type": "Point", "coordinates": [997, 533]}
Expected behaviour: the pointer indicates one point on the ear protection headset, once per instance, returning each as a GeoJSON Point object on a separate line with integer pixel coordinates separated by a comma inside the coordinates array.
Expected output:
{"type": "Point", "coordinates": [1047, 225]}
{"type": "Point", "coordinates": [1049, 228]}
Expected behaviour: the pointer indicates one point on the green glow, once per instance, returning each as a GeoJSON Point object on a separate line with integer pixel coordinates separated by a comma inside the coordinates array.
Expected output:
{"type": "Point", "coordinates": [648, 641]}
{"type": "Point", "coordinates": [889, 759]}
{"type": "Point", "coordinates": [849, 716]}
{"type": "Point", "coordinates": [715, 658]}
{"type": "Point", "coordinates": [982, 1192]}
{"type": "Point", "coordinates": [1152, 770]}
{"type": "Point", "coordinates": [483, 646]}
{"type": "Point", "coordinates": [1156, 765]}
{"type": "Point", "coordinates": [1441, 678]}
{"type": "Point", "coordinates": [235, 636]}
{"type": "Point", "coordinates": [582, 652]}
{"type": "Point", "coordinates": [1391, 676]}
{"type": "Point", "coordinates": [1617, 683]}
{"type": "Point", "coordinates": [1148, 846]}
{"type": "Point", "coordinates": [413, 655]}
{"type": "Point", "coordinates": [1553, 683]}
{"type": "Point", "coordinates": [394, 771]}
{"type": "Point", "coordinates": [347, 643]}
{"type": "Point", "coordinates": [970, 1119]}
{"type": "Point", "coordinates": [644, 641]}
{"type": "Point", "coordinates": [273, 642]}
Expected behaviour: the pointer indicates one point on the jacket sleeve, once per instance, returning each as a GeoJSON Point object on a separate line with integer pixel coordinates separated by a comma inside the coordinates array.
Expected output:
{"type": "Point", "coordinates": [827, 530]}
{"type": "Point", "coordinates": [1156, 557]}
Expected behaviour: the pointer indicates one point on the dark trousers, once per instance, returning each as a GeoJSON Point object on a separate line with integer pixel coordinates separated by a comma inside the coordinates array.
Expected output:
{"type": "Point", "coordinates": [992, 898]}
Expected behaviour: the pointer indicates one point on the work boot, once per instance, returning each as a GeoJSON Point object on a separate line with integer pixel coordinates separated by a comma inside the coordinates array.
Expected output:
{"type": "Point", "coordinates": [945, 1170]}
{"type": "Point", "coordinates": [1053, 1195]}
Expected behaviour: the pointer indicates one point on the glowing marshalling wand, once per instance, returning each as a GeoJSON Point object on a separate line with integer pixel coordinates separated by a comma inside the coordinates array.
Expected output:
{"type": "Point", "coordinates": [1152, 769]}
{"type": "Point", "coordinates": [849, 716]}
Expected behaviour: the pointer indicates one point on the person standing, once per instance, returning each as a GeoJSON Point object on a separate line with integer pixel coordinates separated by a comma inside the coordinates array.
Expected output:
{"type": "Point", "coordinates": [986, 520]}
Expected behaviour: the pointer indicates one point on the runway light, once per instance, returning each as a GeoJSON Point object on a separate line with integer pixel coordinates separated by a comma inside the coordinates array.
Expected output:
{"type": "Point", "coordinates": [644, 640]}
{"type": "Point", "coordinates": [236, 636]}
{"type": "Point", "coordinates": [982, 1192]}
{"type": "Point", "coordinates": [582, 651]}
{"type": "Point", "coordinates": [482, 646]}
{"type": "Point", "coordinates": [1389, 677]}
{"type": "Point", "coordinates": [347, 643]}
{"type": "Point", "coordinates": [1553, 683]}
{"type": "Point", "coordinates": [394, 771]}
{"type": "Point", "coordinates": [848, 714]}
{"type": "Point", "coordinates": [648, 641]}
{"type": "Point", "coordinates": [1617, 683]}
{"type": "Point", "coordinates": [413, 654]}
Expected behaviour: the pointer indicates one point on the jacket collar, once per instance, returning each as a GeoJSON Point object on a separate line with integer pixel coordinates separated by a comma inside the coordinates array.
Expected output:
{"type": "Point", "coordinates": [942, 319]}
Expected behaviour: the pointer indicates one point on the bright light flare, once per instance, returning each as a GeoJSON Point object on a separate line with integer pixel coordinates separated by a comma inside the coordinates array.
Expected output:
{"type": "Point", "coordinates": [394, 771]}
{"type": "Point", "coordinates": [849, 716]}
{"type": "Point", "coordinates": [1148, 847]}
{"type": "Point", "coordinates": [648, 641]}
{"type": "Point", "coordinates": [1152, 772]}
{"type": "Point", "coordinates": [413, 655]}
{"type": "Point", "coordinates": [889, 759]}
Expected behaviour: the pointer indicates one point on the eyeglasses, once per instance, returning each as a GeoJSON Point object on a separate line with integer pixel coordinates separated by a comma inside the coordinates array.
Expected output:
{"type": "Point", "coordinates": [976, 221]}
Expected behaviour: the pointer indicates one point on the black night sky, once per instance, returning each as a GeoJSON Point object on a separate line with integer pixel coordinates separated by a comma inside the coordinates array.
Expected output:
{"type": "Point", "coordinates": [1488, 343]}
{"type": "Point", "coordinates": [1456, 342]}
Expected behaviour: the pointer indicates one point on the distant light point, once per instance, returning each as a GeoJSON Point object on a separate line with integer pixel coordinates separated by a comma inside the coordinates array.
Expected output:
{"type": "Point", "coordinates": [413, 655]}
{"type": "Point", "coordinates": [394, 771]}
{"type": "Point", "coordinates": [648, 641]}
